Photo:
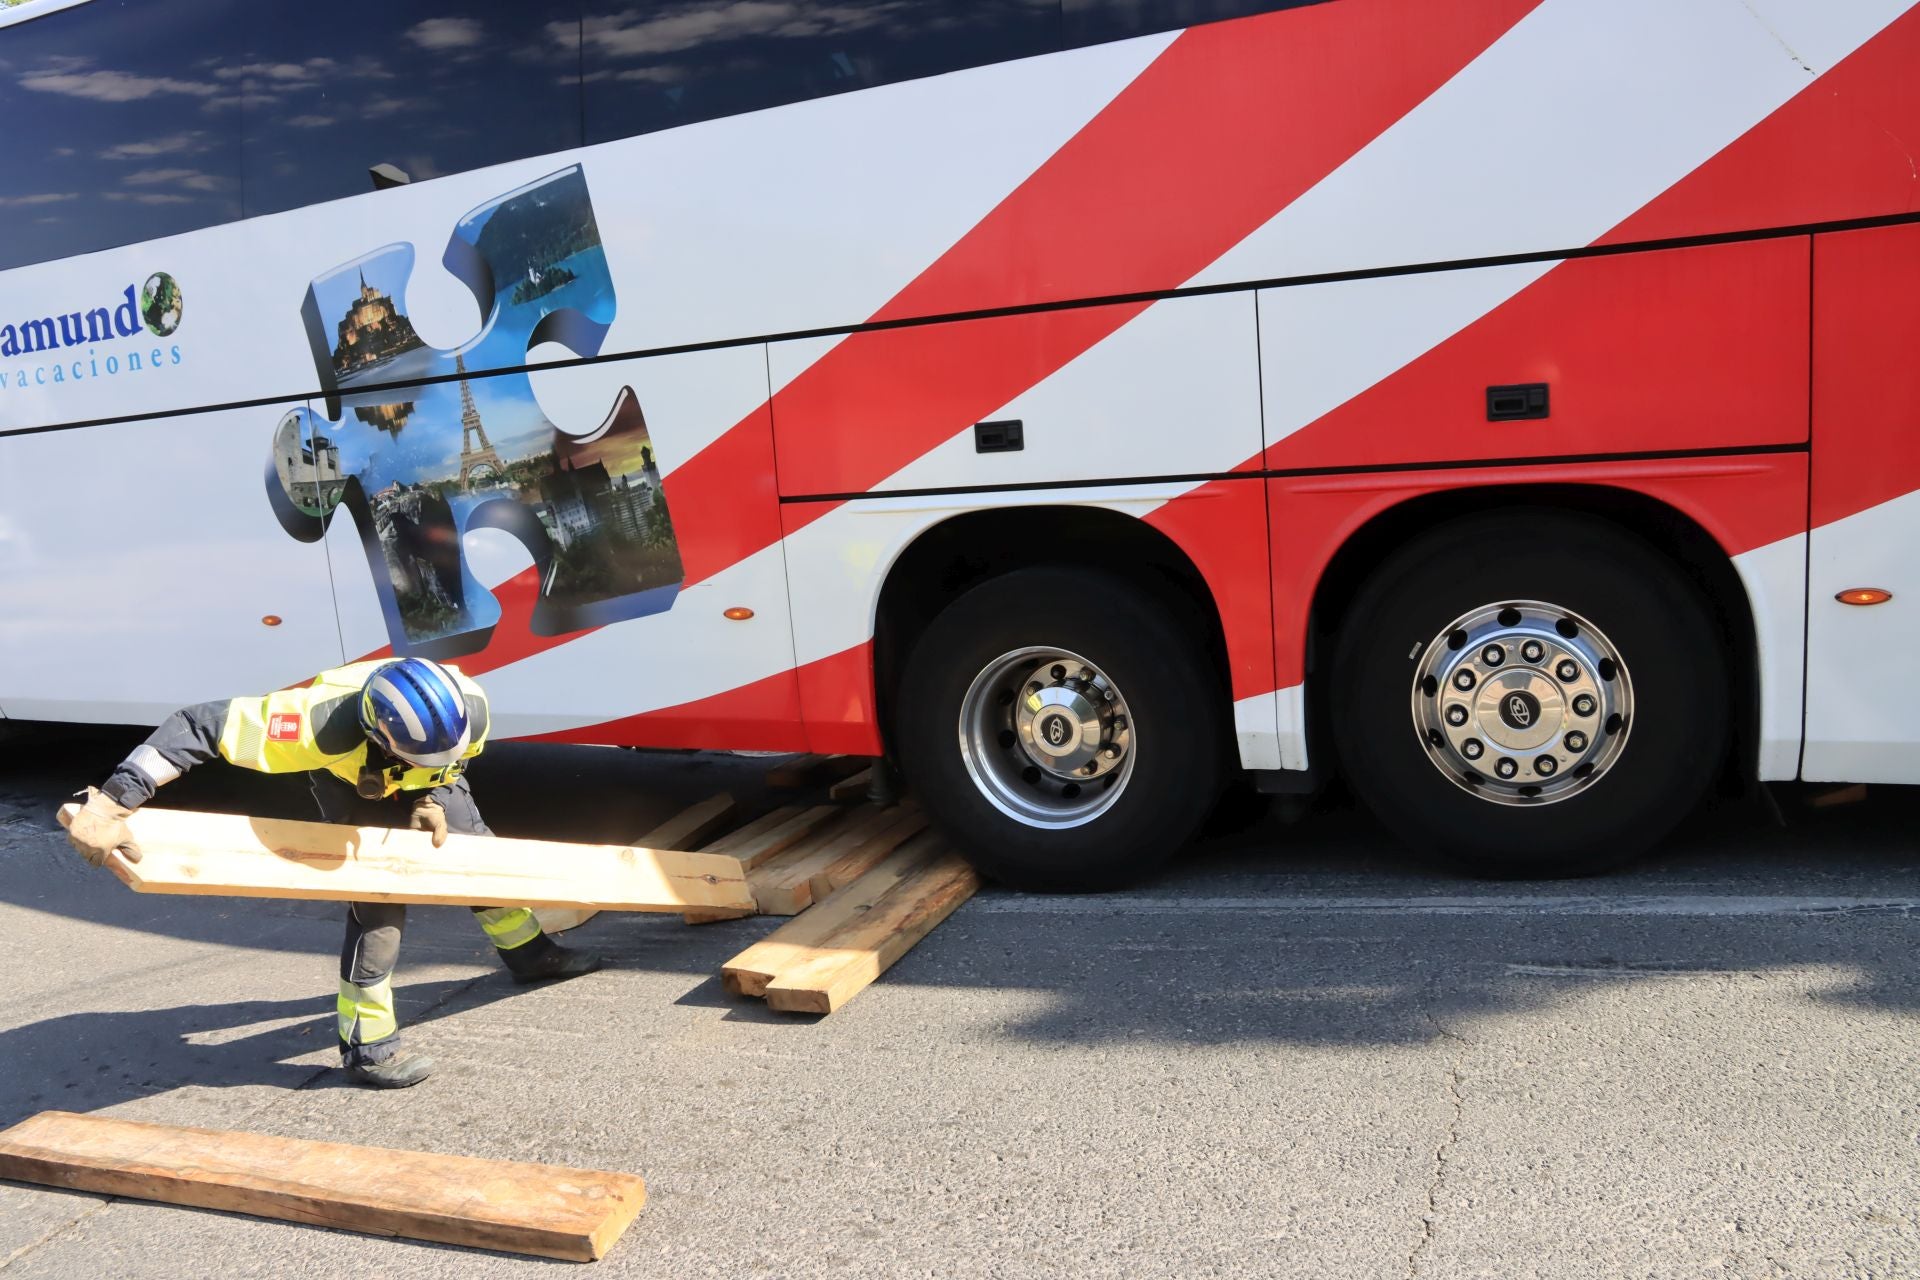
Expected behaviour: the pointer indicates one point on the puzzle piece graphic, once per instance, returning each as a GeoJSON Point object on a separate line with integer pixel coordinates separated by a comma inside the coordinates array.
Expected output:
{"type": "Point", "coordinates": [422, 446]}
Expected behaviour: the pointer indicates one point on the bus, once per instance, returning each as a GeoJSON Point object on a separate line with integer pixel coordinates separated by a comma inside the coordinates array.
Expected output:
{"type": "Point", "coordinates": [1506, 407]}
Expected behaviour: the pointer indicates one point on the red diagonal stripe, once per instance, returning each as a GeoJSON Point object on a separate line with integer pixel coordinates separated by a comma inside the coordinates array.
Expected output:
{"type": "Point", "coordinates": [1228, 126]}
{"type": "Point", "coordinates": [1843, 147]}
{"type": "Point", "coordinates": [1629, 343]}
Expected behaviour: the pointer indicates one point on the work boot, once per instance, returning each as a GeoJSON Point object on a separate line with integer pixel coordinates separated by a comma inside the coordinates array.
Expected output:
{"type": "Point", "coordinates": [544, 960]}
{"type": "Point", "coordinates": [385, 1065]}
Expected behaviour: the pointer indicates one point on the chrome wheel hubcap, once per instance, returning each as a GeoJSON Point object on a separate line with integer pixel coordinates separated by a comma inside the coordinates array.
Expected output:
{"type": "Point", "coordinates": [1522, 703]}
{"type": "Point", "coordinates": [1046, 737]}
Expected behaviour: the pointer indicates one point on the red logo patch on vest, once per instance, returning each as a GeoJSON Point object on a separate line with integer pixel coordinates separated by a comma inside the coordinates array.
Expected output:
{"type": "Point", "coordinates": [283, 726]}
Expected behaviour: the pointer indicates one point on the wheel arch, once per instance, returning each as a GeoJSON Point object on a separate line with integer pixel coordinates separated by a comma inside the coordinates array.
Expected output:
{"type": "Point", "coordinates": [1682, 536]}
{"type": "Point", "coordinates": [965, 549]}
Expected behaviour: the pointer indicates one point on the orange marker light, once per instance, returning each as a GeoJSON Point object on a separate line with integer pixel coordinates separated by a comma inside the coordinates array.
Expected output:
{"type": "Point", "coordinates": [271, 620]}
{"type": "Point", "coordinates": [1864, 595]}
{"type": "Point", "coordinates": [739, 613]}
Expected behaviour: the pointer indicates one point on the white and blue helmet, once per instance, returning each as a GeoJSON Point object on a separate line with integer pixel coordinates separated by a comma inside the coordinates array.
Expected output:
{"type": "Point", "coordinates": [414, 710]}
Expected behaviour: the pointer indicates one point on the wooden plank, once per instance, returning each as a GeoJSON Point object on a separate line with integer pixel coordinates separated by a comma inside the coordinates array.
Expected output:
{"type": "Point", "coordinates": [748, 973]}
{"type": "Point", "coordinates": [806, 770]}
{"type": "Point", "coordinates": [236, 856]}
{"type": "Point", "coordinates": [853, 788]}
{"type": "Point", "coordinates": [809, 871]}
{"type": "Point", "coordinates": [545, 1210]}
{"type": "Point", "coordinates": [755, 843]}
{"type": "Point", "coordinates": [753, 830]}
{"type": "Point", "coordinates": [686, 830]}
{"type": "Point", "coordinates": [694, 825]}
{"type": "Point", "coordinates": [853, 863]}
{"type": "Point", "coordinates": [849, 960]}
{"type": "Point", "coordinates": [753, 849]}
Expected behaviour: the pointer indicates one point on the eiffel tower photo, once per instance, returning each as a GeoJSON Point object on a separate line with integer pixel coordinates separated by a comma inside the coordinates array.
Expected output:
{"type": "Point", "coordinates": [481, 461]}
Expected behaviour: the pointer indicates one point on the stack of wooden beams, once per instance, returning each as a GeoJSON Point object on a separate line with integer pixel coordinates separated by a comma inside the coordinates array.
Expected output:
{"type": "Point", "coordinates": [870, 881]}
{"type": "Point", "coordinates": [818, 961]}
{"type": "Point", "coordinates": [865, 883]}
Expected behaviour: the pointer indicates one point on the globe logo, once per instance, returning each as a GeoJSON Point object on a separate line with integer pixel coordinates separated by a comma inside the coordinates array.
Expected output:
{"type": "Point", "coordinates": [160, 304]}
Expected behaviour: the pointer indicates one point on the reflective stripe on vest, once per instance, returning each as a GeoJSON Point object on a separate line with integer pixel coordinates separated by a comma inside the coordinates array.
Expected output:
{"type": "Point", "coordinates": [366, 1013]}
{"type": "Point", "coordinates": [509, 927]}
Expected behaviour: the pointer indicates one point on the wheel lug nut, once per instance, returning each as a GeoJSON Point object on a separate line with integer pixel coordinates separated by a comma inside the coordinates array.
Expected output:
{"type": "Point", "coordinates": [1583, 705]}
{"type": "Point", "coordinates": [1456, 715]}
{"type": "Point", "coordinates": [1545, 765]}
{"type": "Point", "coordinates": [1058, 673]}
{"type": "Point", "coordinates": [1463, 679]}
{"type": "Point", "coordinates": [1472, 749]}
{"type": "Point", "coordinates": [1493, 655]}
{"type": "Point", "coordinates": [1568, 671]}
{"type": "Point", "coordinates": [1576, 741]}
{"type": "Point", "coordinates": [1111, 753]}
{"type": "Point", "coordinates": [1533, 651]}
{"type": "Point", "coordinates": [1505, 768]}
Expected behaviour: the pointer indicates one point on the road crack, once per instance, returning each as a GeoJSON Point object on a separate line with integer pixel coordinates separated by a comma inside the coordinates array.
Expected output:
{"type": "Point", "coordinates": [1444, 1151]}
{"type": "Point", "coordinates": [53, 1234]}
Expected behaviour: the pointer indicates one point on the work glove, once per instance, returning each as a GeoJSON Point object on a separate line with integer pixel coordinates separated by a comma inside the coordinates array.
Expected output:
{"type": "Point", "coordinates": [101, 827]}
{"type": "Point", "coordinates": [429, 816]}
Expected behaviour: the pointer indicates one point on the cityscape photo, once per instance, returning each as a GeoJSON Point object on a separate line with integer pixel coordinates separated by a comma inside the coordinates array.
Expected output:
{"type": "Point", "coordinates": [419, 466]}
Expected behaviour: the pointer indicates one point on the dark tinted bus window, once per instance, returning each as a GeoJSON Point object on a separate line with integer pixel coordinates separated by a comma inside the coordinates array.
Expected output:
{"type": "Point", "coordinates": [121, 122]}
{"type": "Point", "coordinates": [655, 66]}
{"type": "Point", "coordinates": [334, 89]}
{"type": "Point", "coordinates": [1093, 21]}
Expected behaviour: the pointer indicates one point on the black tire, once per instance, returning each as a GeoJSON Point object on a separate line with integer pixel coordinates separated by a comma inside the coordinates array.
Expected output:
{"type": "Point", "coordinates": [1176, 705]}
{"type": "Point", "coordinates": [1623, 586]}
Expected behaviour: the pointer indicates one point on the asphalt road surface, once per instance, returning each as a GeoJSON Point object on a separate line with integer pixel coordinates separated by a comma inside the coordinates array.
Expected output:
{"type": "Point", "coordinates": [1296, 1054]}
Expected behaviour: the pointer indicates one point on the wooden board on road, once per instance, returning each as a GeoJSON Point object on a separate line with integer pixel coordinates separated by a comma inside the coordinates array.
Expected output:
{"type": "Point", "coordinates": [545, 1210]}
{"type": "Point", "coordinates": [846, 961]}
{"type": "Point", "coordinates": [218, 854]}
{"type": "Point", "coordinates": [828, 954]}
{"type": "Point", "coordinates": [748, 973]}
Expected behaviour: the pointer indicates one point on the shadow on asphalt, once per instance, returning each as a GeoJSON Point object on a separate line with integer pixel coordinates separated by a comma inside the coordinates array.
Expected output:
{"type": "Point", "coordinates": [1162, 963]}
{"type": "Point", "coordinates": [88, 1061]}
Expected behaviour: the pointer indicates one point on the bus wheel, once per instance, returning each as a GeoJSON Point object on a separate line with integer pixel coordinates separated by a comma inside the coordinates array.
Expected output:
{"type": "Point", "coordinates": [1530, 693]}
{"type": "Point", "coordinates": [1063, 727]}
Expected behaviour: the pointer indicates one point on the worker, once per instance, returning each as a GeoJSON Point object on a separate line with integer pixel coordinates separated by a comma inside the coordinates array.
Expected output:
{"type": "Point", "coordinates": [383, 744]}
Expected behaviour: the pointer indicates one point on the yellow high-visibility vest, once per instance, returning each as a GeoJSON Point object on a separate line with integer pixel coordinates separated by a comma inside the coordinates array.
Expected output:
{"type": "Point", "coordinates": [318, 727]}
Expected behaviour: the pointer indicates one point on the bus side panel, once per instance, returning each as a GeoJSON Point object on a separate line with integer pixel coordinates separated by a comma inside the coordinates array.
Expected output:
{"type": "Point", "coordinates": [144, 570]}
{"type": "Point", "coordinates": [1863, 683]}
{"type": "Point", "coordinates": [1174, 392]}
{"type": "Point", "coordinates": [1753, 507]}
{"type": "Point", "coordinates": [1701, 348]}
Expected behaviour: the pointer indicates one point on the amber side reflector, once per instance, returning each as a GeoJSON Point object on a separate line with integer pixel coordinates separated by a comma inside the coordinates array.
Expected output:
{"type": "Point", "coordinates": [271, 620]}
{"type": "Point", "coordinates": [739, 613]}
{"type": "Point", "coordinates": [1864, 595]}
